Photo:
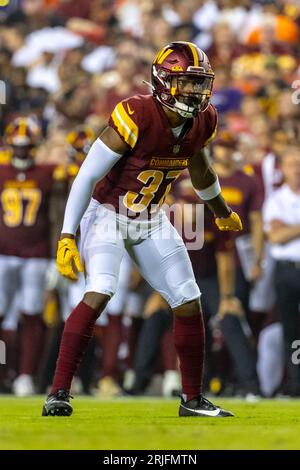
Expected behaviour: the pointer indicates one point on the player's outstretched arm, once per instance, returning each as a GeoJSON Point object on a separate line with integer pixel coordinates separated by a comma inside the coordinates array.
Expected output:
{"type": "Point", "coordinates": [103, 155]}
{"type": "Point", "coordinates": [206, 184]}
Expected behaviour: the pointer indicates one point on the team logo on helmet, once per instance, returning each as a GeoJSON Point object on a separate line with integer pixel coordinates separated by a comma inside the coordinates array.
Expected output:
{"type": "Point", "coordinates": [182, 78]}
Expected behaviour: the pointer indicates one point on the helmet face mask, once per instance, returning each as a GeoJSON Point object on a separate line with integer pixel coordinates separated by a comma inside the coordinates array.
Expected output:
{"type": "Point", "coordinates": [23, 152]}
{"type": "Point", "coordinates": [192, 93]}
{"type": "Point", "coordinates": [23, 156]}
{"type": "Point", "coordinates": [182, 79]}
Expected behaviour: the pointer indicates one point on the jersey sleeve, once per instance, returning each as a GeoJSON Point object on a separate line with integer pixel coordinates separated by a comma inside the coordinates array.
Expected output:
{"type": "Point", "coordinates": [126, 119]}
{"type": "Point", "coordinates": [212, 123]}
{"type": "Point", "coordinates": [5, 156]}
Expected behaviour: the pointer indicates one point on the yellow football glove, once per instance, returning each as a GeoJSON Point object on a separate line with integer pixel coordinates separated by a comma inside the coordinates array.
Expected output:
{"type": "Point", "coordinates": [233, 222]}
{"type": "Point", "coordinates": [68, 259]}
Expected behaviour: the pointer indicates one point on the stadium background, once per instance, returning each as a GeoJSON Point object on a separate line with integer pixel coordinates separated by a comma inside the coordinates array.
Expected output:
{"type": "Point", "coordinates": [67, 64]}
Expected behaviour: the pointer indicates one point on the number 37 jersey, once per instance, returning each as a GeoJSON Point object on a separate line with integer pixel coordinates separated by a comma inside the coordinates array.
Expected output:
{"type": "Point", "coordinates": [24, 210]}
{"type": "Point", "coordinates": [142, 178]}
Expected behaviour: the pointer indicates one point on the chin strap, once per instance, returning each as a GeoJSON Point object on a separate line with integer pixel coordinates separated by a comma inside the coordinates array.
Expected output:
{"type": "Point", "coordinates": [21, 164]}
{"type": "Point", "coordinates": [184, 112]}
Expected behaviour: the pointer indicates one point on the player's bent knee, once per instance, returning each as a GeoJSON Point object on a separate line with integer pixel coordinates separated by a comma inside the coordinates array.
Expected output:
{"type": "Point", "coordinates": [188, 292]}
{"type": "Point", "coordinates": [96, 300]}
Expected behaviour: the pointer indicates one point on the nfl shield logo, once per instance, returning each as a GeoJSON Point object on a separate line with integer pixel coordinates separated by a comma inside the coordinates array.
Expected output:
{"type": "Point", "coordinates": [176, 148]}
{"type": "Point", "coordinates": [21, 177]}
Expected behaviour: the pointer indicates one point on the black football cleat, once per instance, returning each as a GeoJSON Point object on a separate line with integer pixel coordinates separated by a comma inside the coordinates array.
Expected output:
{"type": "Point", "coordinates": [201, 407]}
{"type": "Point", "coordinates": [58, 404]}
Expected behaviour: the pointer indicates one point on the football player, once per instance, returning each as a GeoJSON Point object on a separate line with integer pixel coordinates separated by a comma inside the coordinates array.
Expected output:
{"type": "Point", "coordinates": [26, 191]}
{"type": "Point", "coordinates": [240, 190]}
{"type": "Point", "coordinates": [149, 141]}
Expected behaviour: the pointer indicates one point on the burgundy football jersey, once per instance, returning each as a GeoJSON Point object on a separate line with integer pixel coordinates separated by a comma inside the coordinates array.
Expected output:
{"type": "Point", "coordinates": [141, 179]}
{"type": "Point", "coordinates": [24, 210]}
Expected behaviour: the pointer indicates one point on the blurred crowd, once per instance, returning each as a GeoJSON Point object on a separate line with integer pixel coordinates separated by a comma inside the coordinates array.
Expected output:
{"type": "Point", "coordinates": [66, 64]}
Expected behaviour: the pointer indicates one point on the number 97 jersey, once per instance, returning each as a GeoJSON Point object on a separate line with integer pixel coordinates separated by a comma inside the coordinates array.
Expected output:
{"type": "Point", "coordinates": [141, 179]}
{"type": "Point", "coordinates": [24, 210]}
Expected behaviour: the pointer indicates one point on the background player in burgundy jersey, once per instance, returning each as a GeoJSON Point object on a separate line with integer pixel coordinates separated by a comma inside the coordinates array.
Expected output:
{"type": "Point", "coordinates": [26, 192]}
{"type": "Point", "coordinates": [240, 190]}
{"type": "Point", "coordinates": [148, 142]}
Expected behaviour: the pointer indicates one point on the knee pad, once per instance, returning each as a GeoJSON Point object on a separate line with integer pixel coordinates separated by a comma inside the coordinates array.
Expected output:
{"type": "Point", "coordinates": [186, 292]}
{"type": "Point", "coordinates": [102, 283]}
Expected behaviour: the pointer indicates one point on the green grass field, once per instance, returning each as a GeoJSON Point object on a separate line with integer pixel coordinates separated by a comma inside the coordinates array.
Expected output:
{"type": "Point", "coordinates": [148, 424]}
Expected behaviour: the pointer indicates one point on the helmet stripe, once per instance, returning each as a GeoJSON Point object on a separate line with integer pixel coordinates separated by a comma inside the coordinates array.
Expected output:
{"type": "Point", "coordinates": [195, 54]}
{"type": "Point", "coordinates": [159, 54]}
{"type": "Point", "coordinates": [165, 54]}
{"type": "Point", "coordinates": [22, 130]}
